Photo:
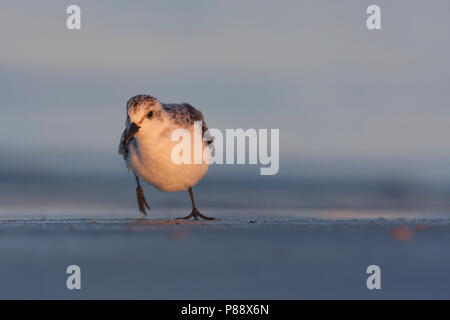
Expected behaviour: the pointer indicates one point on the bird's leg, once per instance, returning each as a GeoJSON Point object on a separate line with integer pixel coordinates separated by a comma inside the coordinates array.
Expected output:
{"type": "Point", "coordinates": [195, 213]}
{"type": "Point", "coordinates": [142, 203]}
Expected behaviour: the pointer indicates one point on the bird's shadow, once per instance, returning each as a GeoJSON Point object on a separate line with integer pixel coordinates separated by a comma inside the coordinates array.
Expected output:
{"type": "Point", "coordinates": [147, 221]}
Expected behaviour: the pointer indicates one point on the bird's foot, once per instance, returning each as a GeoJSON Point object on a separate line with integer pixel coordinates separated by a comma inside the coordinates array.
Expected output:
{"type": "Point", "coordinates": [142, 203]}
{"type": "Point", "coordinates": [195, 214]}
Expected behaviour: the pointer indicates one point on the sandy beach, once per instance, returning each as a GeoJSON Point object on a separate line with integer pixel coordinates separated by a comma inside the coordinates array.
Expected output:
{"type": "Point", "coordinates": [285, 257]}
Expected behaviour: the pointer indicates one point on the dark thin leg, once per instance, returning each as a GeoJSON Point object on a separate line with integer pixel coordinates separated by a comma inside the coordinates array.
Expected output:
{"type": "Point", "coordinates": [195, 213]}
{"type": "Point", "coordinates": [142, 203]}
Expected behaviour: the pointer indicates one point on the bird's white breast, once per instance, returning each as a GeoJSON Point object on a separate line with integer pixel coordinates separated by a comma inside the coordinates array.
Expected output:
{"type": "Point", "coordinates": [150, 157]}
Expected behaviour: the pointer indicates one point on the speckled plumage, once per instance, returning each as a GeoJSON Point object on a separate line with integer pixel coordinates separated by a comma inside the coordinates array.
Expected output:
{"type": "Point", "coordinates": [148, 154]}
{"type": "Point", "coordinates": [185, 115]}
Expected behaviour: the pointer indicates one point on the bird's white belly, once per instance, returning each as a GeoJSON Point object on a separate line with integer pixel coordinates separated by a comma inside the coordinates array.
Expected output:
{"type": "Point", "coordinates": [152, 162]}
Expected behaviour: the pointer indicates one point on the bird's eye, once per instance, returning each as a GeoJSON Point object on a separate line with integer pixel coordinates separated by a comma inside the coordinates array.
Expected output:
{"type": "Point", "coordinates": [150, 114]}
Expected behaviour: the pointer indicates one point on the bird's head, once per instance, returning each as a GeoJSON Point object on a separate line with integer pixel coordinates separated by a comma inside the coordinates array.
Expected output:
{"type": "Point", "coordinates": [144, 113]}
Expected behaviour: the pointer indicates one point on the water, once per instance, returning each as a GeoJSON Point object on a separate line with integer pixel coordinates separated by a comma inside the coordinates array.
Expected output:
{"type": "Point", "coordinates": [39, 195]}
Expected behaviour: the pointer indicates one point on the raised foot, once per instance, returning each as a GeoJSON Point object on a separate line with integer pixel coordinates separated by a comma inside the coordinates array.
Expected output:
{"type": "Point", "coordinates": [195, 214]}
{"type": "Point", "coordinates": [142, 203]}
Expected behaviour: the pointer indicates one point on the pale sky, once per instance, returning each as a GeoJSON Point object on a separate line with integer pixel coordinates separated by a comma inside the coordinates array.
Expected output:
{"type": "Point", "coordinates": [310, 68]}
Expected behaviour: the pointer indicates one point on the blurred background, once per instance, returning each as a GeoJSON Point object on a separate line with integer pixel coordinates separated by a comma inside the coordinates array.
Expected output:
{"type": "Point", "coordinates": [364, 116]}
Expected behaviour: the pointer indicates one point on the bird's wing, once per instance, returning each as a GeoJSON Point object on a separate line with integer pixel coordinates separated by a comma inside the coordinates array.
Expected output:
{"type": "Point", "coordinates": [185, 114]}
{"type": "Point", "coordinates": [123, 150]}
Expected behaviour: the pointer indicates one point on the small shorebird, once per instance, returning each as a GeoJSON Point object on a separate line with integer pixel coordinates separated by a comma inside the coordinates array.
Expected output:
{"type": "Point", "coordinates": [146, 147]}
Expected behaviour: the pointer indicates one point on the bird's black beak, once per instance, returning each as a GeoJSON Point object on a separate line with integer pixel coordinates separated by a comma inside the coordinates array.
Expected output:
{"type": "Point", "coordinates": [134, 128]}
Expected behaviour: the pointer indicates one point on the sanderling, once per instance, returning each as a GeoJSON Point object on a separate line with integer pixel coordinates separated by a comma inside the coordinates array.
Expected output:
{"type": "Point", "coordinates": [146, 146]}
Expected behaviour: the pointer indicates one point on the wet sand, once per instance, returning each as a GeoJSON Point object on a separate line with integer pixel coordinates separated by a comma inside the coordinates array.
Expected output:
{"type": "Point", "coordinates": [285, 257]}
